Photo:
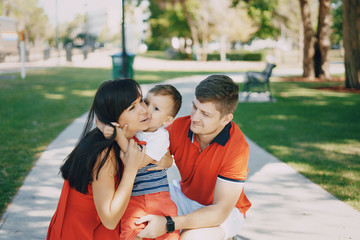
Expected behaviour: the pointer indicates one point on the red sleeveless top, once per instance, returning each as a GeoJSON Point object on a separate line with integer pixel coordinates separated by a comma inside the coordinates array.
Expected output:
{"type": "Point", "coordinates": [76, 218]}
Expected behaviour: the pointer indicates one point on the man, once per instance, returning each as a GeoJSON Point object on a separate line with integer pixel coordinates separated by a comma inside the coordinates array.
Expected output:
{"type": "Point", "coordinates": [211, 154]}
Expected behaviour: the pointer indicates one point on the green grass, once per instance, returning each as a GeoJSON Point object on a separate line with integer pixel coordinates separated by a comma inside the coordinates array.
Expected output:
{"type": "Point", "coordinates": [316, 132]}
{"type": "Point", "coordinates": [35, 110]}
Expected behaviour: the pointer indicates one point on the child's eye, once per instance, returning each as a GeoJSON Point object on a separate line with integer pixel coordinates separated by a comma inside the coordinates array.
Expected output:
{"type": "Point", "coordinates": [156, 109]}
{"type": "Point", "coordinates": [132, 108]}
{"type": "Point", "coordinates": [146, 102]}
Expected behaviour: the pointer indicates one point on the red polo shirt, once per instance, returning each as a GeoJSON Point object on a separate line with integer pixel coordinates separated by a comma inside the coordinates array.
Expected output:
{"type": "Point", "coordinates": [226, 158]}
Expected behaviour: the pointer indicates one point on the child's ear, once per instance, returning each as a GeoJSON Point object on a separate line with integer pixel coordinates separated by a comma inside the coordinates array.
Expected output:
{"type": "Point", "coordinates": [168, 120]}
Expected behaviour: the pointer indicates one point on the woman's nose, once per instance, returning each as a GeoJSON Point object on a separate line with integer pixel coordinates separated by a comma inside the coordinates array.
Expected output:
{"type": "Point", "coordinates": [144, 108]}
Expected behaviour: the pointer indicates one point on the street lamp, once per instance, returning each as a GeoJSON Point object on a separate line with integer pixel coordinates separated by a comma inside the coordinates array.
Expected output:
{"type": "Point", "coordinates": [57, 31]}
{"type": "Point", "coordinates": [125, 73]}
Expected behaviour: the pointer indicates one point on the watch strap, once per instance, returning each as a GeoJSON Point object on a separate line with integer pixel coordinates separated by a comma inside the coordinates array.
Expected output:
{"type": "Point", "coordinates": [170, 224]}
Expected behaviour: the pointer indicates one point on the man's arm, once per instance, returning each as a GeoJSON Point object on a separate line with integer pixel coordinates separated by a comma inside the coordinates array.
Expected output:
{"type": "Point", "coordinates": [225, 197]}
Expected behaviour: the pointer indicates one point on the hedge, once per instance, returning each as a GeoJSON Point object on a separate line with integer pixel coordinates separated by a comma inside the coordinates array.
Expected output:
{"type": "Point", "coordinates": [245, 56]}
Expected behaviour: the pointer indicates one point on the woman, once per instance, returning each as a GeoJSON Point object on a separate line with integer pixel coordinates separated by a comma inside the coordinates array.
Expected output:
{"type": "Point", "coordinates": [98, 177]}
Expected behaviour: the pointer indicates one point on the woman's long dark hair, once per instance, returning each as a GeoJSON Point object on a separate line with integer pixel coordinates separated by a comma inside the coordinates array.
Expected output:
{"type": "Point", "coordinates": [111, 99]}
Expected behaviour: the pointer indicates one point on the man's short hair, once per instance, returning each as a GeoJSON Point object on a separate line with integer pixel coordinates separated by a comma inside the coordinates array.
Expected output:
{"type": "Point", "coordinates": [221, 90]}
{"type": "Point", "coordinates": [169, 90]}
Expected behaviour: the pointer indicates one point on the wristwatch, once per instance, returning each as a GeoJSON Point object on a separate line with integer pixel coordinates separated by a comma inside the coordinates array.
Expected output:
{"type": "Point", "coordinates": [170, 224]}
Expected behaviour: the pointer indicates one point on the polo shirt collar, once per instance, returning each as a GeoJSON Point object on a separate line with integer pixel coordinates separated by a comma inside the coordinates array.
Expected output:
{"type": "Point", "coordinates": [221, 138]}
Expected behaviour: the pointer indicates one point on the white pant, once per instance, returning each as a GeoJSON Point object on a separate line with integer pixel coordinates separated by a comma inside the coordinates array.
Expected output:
{"type": "Point", "coordinates": [231, 226]}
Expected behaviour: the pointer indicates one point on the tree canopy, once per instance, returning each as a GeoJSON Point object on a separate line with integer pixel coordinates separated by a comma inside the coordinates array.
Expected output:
{"type": "Point", "coordinates": [337, 14]}
{"type": "Point", "coordinates": [29, 17]}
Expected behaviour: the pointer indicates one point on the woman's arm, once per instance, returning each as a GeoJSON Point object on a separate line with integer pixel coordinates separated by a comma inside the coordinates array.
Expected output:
{"type": "Point", "coordinates": [111, 202]}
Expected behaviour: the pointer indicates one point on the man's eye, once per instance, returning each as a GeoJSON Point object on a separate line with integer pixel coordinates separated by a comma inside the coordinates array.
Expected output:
{"type": "Point", "coordinates": [132, 108]}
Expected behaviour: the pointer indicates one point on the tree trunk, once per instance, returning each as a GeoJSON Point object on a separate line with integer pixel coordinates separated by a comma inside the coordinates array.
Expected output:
{"type": "Point", "coordinates": [309, 40]}
{"type": "Point", "coordinates": [204, 33]}
{"type": "Point", "coordinates": [223, 48]}
{"type": "Point", "coordinates": [317, 58]}
{"type": "Point", "coordinates": [193, 30]}
{"type": "Point", "coordinates": [351, 32]}
{"type": "Point", "coordinates": [322, 65]}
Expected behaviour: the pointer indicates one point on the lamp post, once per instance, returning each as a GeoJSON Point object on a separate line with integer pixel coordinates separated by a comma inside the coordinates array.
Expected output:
{"type": "Point", "coordinates": [57, 31]}
{"type": "Point", "coordinates": [125, 73]}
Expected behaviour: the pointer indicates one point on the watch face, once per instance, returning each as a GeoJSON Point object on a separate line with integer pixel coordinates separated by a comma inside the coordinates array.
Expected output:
{"type": "Point", "coordinates": [170, 224]}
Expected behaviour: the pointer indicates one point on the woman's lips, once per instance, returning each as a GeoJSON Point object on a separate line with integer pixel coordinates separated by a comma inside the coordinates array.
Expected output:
{"type": "Point", "coordinates": [145, 120]}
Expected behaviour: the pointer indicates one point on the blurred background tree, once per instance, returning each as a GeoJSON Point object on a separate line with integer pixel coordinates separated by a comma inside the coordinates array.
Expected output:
{"type": "Point", "coordinates": [30, 18]}
{"type": "Point", "coordinates": [202, 21]}
{"type": "Point", "coordinates": [351, 32]}
{"type": "Point", "coordinates": [196, 28]}
{"type": "Point", "coordinates": [316, 43]}
{"type": "Point", "coordinates": [265, 14]}
{"type": "Point", "coordinates": [166, 21]}
{"type": "Point", "coordinates": [69, 32]}
{"type": "Point", "coordinates": [336, 36]}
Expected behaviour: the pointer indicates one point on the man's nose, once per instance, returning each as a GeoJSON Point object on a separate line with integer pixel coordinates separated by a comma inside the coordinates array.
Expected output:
{"type": "Point", "coordinates": [194, 115]}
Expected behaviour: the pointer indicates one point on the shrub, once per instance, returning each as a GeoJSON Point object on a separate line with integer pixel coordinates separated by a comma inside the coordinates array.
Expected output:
{"type": "Point", "coordinates": [243, 56]}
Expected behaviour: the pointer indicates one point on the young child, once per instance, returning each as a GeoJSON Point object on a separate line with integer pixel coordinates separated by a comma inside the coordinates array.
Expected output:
{"type": "Point", "coordinates": [150, 194]}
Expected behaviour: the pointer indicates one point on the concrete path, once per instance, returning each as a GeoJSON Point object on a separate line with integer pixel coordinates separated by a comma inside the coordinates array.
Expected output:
{"type": "Point", "coordinates": [286, 205]}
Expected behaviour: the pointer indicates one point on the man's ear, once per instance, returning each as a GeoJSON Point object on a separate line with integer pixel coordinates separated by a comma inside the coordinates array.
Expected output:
{"type": "Point", "coordinates": [168, 120]}
{"type": "Point", "coordinates": [227, 118]}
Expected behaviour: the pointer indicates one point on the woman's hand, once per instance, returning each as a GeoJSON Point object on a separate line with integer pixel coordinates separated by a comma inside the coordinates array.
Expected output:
{"type": "Point", "coordinates": [155, 226]}
{"type": "Point", "coordinates": [165, 162]}
{"type": "Point", "coordinates": [134, 157]}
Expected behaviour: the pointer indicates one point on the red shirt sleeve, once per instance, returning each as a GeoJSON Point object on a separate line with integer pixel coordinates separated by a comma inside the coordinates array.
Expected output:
{"type": "Point", "coordinates": [235, 166]}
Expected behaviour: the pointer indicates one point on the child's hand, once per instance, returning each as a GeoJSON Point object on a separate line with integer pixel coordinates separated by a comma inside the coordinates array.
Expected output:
{"type": "Point", "coordinates": [108, 131]}
{"type": "Point", "coordinates": [104, 128]}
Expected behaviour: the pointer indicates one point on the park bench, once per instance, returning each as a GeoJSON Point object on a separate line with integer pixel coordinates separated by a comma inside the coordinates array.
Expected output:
{"type": "Point", "coordinates": [259, 81]}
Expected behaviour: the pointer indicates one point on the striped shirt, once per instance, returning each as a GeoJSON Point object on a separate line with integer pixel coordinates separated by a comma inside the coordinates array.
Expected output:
{"type": "Point", "coordinates": [150, 181]}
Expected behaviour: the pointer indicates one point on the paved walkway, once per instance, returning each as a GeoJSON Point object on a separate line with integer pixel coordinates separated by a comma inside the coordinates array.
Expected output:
{"type": "Point", "coordinates": [286, 205]}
